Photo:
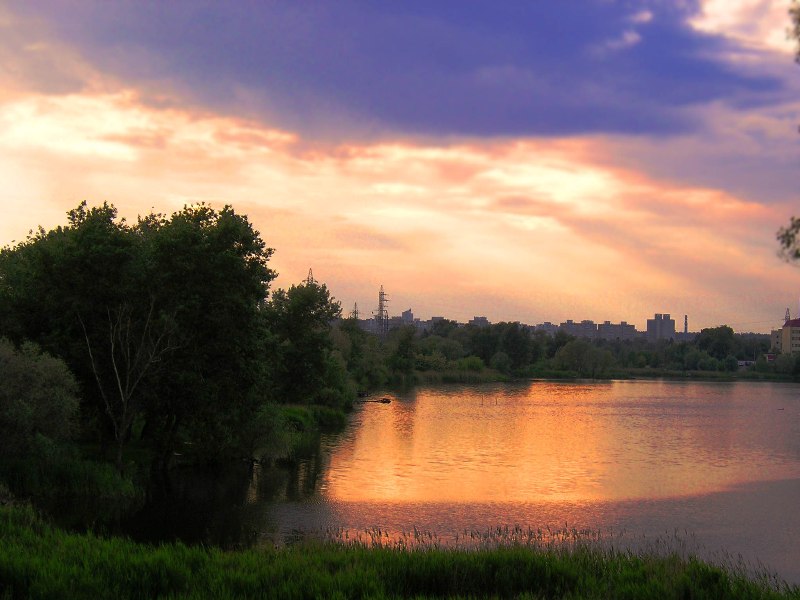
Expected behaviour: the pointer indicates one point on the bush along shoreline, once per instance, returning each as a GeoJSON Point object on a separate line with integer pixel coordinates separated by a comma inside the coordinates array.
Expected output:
{"type": "Point", "coordinates": [40, 561]}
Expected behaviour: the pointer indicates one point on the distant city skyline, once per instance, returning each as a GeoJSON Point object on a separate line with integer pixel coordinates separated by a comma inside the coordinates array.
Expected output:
{"type": "Point", "coordinates": [652, 322]}
{"type": "Point", "coordinates": [523, 161]}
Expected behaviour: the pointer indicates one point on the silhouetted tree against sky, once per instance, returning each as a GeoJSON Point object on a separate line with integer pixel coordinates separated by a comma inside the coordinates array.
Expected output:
{"type": "Point", "coordinates": [788, 236]}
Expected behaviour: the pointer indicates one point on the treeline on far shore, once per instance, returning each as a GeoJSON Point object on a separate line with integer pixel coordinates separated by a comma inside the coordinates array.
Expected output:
{"type": "Point", "coordinates": [449, 351]}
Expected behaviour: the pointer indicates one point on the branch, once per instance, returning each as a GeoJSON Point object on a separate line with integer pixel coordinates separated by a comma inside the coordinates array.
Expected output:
{"type": "Point", "coordinates": [787, 236]}
{"type": "Point", "coordinates": [112, 329]}
{"type": "Point", "coordinates": [109, 412]}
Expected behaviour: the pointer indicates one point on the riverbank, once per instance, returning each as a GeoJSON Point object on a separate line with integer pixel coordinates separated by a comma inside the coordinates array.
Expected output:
{"type": "Point", "coordinates": [38, 560]}
{"type": "Point", "coordinates": [650, 373]}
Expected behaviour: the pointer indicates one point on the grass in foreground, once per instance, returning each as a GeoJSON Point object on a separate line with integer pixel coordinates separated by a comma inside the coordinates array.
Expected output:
{"type": "Point", "coordinates": [39, 561]}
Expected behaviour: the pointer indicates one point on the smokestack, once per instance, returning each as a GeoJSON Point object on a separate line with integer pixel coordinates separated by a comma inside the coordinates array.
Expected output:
{"type": "Point", "coordinates": [685, 324]}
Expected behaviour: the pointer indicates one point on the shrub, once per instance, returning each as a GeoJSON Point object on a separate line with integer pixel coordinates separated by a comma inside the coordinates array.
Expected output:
{"type": "Point", "coordinates": [470, 363]}
{"type": "Point", "coordinates": [38, 397]}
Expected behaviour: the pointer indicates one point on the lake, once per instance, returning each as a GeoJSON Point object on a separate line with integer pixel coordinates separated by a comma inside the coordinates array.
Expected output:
{"type": "Point", "coordinates": [712, 467]}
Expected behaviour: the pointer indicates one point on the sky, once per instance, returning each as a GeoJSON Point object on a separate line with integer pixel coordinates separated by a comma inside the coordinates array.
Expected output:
{"type": "Point", "coordinates": [523, 161]}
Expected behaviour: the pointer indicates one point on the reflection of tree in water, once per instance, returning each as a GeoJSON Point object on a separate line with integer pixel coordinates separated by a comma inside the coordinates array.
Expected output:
{"type": "Point", "coordinates": [223, 506]}
{"type": "Point", "coordinates": [293, 482]}
{"type": "Point", "coordinates": [194, 506]}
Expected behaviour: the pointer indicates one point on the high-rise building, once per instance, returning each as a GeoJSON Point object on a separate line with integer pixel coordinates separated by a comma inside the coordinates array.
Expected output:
{"type": "Point", "coordinates": [660, 327]}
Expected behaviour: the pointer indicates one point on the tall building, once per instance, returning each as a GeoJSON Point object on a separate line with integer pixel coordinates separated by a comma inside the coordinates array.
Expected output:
{"type": "Point", "coordinates": [660, 327]}
{"type": "Point", "coordinates": [787, 339]}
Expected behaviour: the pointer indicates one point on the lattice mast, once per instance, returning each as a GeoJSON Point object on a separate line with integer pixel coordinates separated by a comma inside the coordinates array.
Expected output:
{"type": "Point", "coordinates": [382, 314]}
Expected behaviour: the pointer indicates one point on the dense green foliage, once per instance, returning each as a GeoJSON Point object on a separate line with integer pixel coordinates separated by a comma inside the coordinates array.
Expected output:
{"type": "Point", "coordinates": [169, 334]}
{"type": "Point", "coordinates": [37, 561]}
{"type": "Point", "coordinates": [38, 420]}
{"type": "Point", "coordinates": [306, 370]}
{"type": "Point", "coordinates": [38, 400]}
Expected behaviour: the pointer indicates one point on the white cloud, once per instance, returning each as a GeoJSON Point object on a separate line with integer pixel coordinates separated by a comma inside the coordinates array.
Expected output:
{"type": "Point", "coordinates": [757, 24]}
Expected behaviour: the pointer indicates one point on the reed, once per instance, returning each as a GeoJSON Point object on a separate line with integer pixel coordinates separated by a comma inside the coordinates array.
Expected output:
{"type": "Point", "coordinates": [40, 561]}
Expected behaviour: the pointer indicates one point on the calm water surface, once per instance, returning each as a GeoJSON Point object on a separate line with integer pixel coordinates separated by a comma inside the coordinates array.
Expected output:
{"type": "Point", "coordinates": [566, 443]}
{"type": "Point", "coordinates": [718, 463]}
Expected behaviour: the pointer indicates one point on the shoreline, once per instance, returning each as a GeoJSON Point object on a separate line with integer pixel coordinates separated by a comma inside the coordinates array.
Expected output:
{"type": "Point", "coordinates": [37, 560]}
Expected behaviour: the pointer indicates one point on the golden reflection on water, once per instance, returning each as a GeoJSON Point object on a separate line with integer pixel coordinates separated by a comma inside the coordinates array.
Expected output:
{"type": "Point", "coordinates": [556, 442]}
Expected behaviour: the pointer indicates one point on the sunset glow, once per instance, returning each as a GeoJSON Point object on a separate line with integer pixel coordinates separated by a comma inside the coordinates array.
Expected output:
{"type": "Point", "coordinates": [586, 221]}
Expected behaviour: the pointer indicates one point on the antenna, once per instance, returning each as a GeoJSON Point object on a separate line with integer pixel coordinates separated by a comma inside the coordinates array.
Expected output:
{"type": "Point", "coordinates": [788, 318]}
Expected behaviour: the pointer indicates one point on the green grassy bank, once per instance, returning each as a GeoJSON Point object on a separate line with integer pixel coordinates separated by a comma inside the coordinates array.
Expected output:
{"type": "Point", "coordinates": [39, 561]}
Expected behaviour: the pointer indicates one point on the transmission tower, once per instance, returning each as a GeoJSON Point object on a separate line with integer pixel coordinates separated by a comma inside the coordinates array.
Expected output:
{"type": "Point", "coordinates": [788, 318]}
{"type": "Point", "coordinates": [310, 279]}
{"type": "Point", "coordinates": [354, 314]}
{"type": "Point", "coordinates": [382, 315]}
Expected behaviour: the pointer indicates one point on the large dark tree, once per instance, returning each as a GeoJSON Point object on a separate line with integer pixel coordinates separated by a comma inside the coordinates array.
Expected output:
{"type": "Point", "coordinates": [160, 321]}
{"type": "Point", "coordinates": [212, 276]}
{"type": "Point", "coordinates": [77, 291]}
{"type": "Point", "coordinates": [719, 342]}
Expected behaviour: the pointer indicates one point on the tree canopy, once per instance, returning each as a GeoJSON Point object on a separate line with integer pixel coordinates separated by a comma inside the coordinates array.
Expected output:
{"type": "Point", "coordinates": [160, 321]}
